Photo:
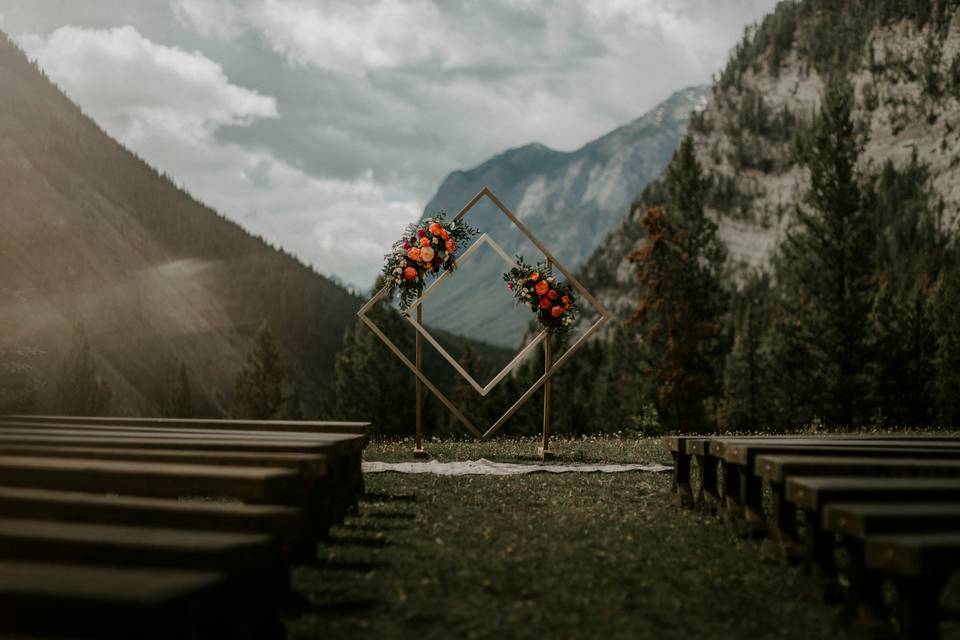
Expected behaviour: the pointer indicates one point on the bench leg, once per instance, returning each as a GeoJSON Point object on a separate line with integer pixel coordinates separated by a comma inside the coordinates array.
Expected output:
{"type": "Point", "coordinates": [864, 600]}
{"type": "Point", "coordinates": [707, 498]}
{"type": "Point", "coordinates": [783, 526]}
{"type": "Point", "coordinates": [751, 501]}
{"type": "Point", "coordinates": [683, 492]}
{"type": "Point", "coordinates": [732, 508]}
{"type": "Point", "coordinates": [919, 607]}
{"type": "Point", "coordinates": [822, 564]}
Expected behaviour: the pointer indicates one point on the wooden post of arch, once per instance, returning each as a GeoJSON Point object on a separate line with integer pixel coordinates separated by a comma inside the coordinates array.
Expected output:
{"type": "Point", "coordinates": [418, 451]}
{"type": "Point", "coordinates": [544, 449]}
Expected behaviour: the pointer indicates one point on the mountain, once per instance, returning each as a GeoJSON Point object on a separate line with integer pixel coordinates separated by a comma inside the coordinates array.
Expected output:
{"type": "Point", "coordinates": [91, 234]}
{"type": "Point", "coordinates": [903, 60]}
{"type": "Point", "coordinates": [569, 200]}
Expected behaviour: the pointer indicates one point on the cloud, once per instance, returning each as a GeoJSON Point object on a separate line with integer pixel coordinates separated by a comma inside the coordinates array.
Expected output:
{"type": "Point", "coordinates": [219, 18]}
{"type": "Point", "coordinates": [138, 88]}
{"type": "Point", "coordinates": [308, 120]}
{"type": "Point", "coordinates": [168, 105]}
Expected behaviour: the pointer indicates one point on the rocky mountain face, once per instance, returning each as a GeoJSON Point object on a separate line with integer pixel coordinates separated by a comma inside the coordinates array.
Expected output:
{"type": "Point", "coordinates": [569, 200]}
{"type": "Point", "coordinates": [903, 61]}
{"type": "Point", "coordinates": [91, 234]}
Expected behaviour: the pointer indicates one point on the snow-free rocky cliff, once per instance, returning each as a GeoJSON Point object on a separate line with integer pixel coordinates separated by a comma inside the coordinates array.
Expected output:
{"type": "Point", "coordinates": [569, 200]}
{"type": "Point", "coordinates": [906, 78]}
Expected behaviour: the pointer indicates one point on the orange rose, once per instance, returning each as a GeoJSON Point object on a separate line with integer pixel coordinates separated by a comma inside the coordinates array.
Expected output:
{"type": "Point", "coordinates": [552, 294]}
{"type": "Point", "coordinates": [534, 276]}
{"type": "Point", "coordinates": [424, 242]}
{"type": "Point", "coordinates": [556, 312]}
{"type": "Point", "coordinates": [541, 288]}
{"type": "Point", "coordinates": [436, 229]}
{"type": "Point", "coordinates": [544, 303]}
{"type": "Point", "coordinates": [426, 254]}
{"type": "Point", "coordinates": [409, 273]}
{"type": "Point", "coordinates": [451, 246]}
{"type": "Point", "coordinates": [414, 254]}
{"type": "Point", "coordinates": [565, 299]}
{"type": "Point", "coordinates": [444, 234]}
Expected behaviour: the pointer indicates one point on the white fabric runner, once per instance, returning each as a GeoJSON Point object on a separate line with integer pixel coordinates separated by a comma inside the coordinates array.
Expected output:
{"type": "Point", "coordinates": [486, 467]}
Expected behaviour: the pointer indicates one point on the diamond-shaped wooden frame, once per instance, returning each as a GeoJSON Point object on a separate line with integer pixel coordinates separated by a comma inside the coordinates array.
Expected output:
{"type": "Point", "coordinates": [517, 359]}
{"type": "Point", "coordinates": [604, 316]}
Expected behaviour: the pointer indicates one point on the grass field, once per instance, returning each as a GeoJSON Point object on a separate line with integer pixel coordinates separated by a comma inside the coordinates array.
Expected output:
{"type": "Point", "coordinates": [545, 556]}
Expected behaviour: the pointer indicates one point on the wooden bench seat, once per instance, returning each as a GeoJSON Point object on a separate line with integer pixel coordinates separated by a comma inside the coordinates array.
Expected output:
{"type": "Point", "coordinates": [255, 484]}
{"type": "Point", "coordinates": [920, 564]}
{"type": "Point", "coordinates": [281, 523]}
{"type": "Point", "coordinates": [740, 459]}
{"type": "Point", "coordinates": [344, 451]}
{"type": "Point", "coordinates": [57, 600]}
{"type": "Point", "coordinates": [253, 555]}
{"type": "Point", "coordinates": [306, 426]}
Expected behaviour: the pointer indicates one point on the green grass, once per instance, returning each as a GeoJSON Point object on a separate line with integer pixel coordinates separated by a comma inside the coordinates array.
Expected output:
{"type": "Point", "coordinates": [544, 556]}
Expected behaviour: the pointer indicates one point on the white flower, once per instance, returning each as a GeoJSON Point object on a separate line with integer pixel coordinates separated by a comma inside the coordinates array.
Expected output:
{"type": "Point", "coordinates": [403, 262]}
{"type": "Point", "coordinates": [397, 280]}
{"type": "Point", "coordinates": [436, 241]}
{"type": "Point", "coordinates": [453, 225]}
{"type": "Point", "coordinates": [398, 270]}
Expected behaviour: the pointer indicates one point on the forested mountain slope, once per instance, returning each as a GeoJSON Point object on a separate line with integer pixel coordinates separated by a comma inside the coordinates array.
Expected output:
{"type": "Point", "coordinates": [902, 58]}
{"type": "Point", "coordinates": [91, 234]}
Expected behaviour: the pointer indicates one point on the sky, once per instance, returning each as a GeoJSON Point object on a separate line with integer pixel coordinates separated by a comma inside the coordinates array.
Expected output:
{"type": "Point", "coordinates": [326, 125]}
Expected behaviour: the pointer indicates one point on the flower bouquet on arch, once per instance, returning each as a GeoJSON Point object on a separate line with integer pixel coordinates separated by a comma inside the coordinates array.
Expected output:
{"type": "Point", "coordinates": [552, 301]}
{"type": "Point", "coordinates": [427, 248]}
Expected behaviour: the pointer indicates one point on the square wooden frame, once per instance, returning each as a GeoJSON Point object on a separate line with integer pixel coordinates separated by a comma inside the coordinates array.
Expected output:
{"type": "Point", "coordinates": [383, 293]}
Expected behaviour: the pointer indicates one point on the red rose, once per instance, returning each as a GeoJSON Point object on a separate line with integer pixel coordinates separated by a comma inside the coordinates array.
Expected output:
{"type": "Point", "coordinates": [565, 299]}
{"type": "Point", "coordinates": [544, 303]}
{"type": "Point", "coordinates": [407, 245]}
{"type": "Point", "coordinates": [409, 273]}
{"type": "Point", "coordinates": [556, 312]}
{"type": "Point", "coordinates": [542, 288]}
{"type": "Point", "coordinates": [553, 294]}
{"type": "Point", "coordinates": [421, 233]}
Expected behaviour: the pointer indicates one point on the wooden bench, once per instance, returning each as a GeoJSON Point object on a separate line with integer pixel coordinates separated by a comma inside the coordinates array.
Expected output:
{"type": "Point", "coordinates": [343, 451]}
{"type": "Point", "coordinates": [117, 602]}
{"type": "Point", "coordinates": [739, 457]}
{"type": "Point", "coordinates": [306, 426]}
{"type": "Point", "coordinates": [281, 523]}
{"type": "Point", "coordinates": [80, 492]}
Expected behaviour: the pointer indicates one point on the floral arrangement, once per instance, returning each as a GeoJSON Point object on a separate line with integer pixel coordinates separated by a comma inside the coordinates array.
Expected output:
{"type": "Point", "coordinates": [553, 302]}
{"type": "Point", "coordinates": [427, 248]}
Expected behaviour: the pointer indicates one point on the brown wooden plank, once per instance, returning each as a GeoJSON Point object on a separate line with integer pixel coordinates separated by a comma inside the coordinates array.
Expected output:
{"type": "Point", "coordinates": [812, 493]}
{"type": "Point", "coordinates": [280, 522]}
{"type": "Point", "coordinates": [859, 520]}
{"type": "Point", "coordinates": [778, 468]}
{"type": "Point", "coordinates": [914, 555]}
{"type": "Point", "coordinates": [312, 465]}
{"type": "Point", "coordinates": [305, 426]}
{"type": "Point", "coordinates": [744, 453]}
{"type": "Point", "coordinates": [259, 484]}
{"type": "Point", "coordinates": [122, 545]}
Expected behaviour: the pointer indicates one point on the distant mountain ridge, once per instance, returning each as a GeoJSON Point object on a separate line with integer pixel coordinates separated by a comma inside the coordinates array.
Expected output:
{"type": "Point", "coordinates": [569, 200]}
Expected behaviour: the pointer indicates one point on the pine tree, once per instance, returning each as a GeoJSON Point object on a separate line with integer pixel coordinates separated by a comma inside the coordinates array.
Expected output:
{"type": "Point", "coordinates": [371, 384]}
{"type": "Point", "coordinates": [465, 397]}
{"type": "Point", "coordinates": [749, 372]}
{"type": "Point", "coordinates": [827, 267]}
{"type": "Point", "coordinates": [81, 390]}
{"type": "Point", "coordinates": [947, 355]}
{"type": "Point", "coordinates": [259, 387]}
{"type": "Point", "coordinates": [681, 298]}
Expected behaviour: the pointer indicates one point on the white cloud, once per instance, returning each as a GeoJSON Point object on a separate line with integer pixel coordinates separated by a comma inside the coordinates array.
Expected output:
{"type": "Point", "coordinates": [167, 104]}
{"type": "Point", "coordinates": [371, 102]}
{"type": "Point", "coordinates": [139, 89]}
{"type": "Point", "coordinates": [220, 18]}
